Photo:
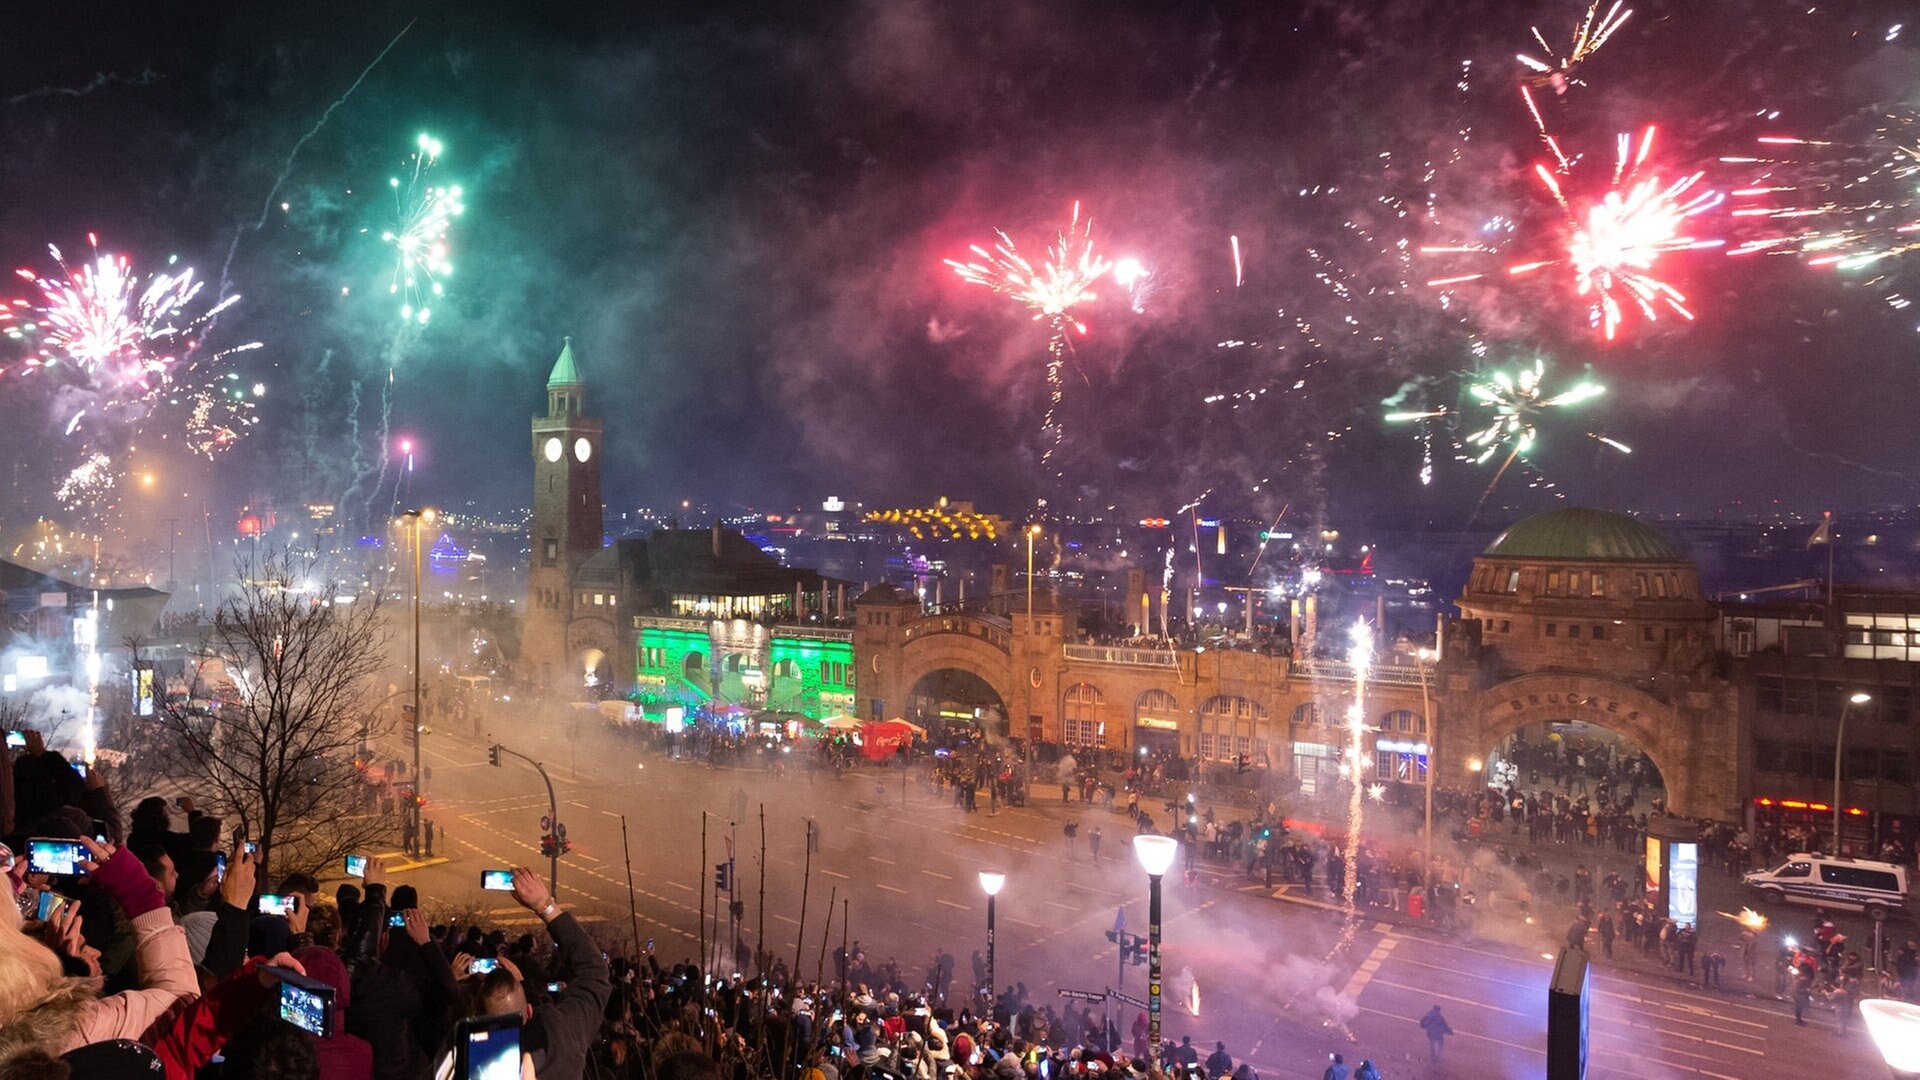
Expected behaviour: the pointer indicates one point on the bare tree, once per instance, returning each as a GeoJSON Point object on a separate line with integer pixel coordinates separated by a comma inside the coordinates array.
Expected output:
{"type": "Point", "coordinates": [276, 717]}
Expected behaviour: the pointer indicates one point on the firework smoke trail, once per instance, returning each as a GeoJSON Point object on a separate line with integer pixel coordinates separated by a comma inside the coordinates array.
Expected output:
{"type": "Point", "coordinates": [1063, 283]}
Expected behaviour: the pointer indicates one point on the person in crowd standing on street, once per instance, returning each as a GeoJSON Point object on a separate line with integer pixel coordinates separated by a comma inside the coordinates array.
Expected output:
{"type": "Point", "coordinates": [1219, 1063]}
{"type": "Point", "coordinates": [1366, 1071]}
{"type": "Point", "coordinates": [1336, 1068]}
{"type": "Point", "coordinates": [1093, 843]}
{"type": "Point", "coordinates": [1437, 1029]}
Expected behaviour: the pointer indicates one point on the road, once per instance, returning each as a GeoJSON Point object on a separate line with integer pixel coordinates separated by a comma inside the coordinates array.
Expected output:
{"type": "Point", "coordinates": [906, 864]}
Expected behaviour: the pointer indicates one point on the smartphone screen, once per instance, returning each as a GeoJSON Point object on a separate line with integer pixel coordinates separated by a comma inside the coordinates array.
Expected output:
{"type": "Point", "coordinates": [219, 866]}
{"type": "Point", "coordinates": [80, 767]}
{"type": "Point", "coordinates": [497, 880]}
{"type": "Point", "coordinates": [16, 740]}
{"type": "Point", "coordinates": [49, 856]}
{"type": "Point", "coordinates": [489, 1048]}
{"type": "Point", "coordinates": [275, 904]}
{"type": "Point", "coordinates": [396, 920]}
{"type": "Point", "coordinates": [250, 847]}
{"type": "Point", "coordinates": [356, 866]}
{"type": "Point", "coordinates": [50, 902]}
{"type": "Point", "coordinates": [309, 1008]}
{"type": "Point", "coordinates": [484, 965]}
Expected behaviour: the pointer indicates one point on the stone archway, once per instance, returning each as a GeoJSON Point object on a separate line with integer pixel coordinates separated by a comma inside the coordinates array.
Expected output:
{"type": "Point", "coordinates": [1666, 733]}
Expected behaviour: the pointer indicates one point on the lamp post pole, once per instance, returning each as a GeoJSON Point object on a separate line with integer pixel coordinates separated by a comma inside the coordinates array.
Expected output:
{"type": "Point", "coordinates": [417, 519]}
{"type": "Point", "coordinates": [991, 881]}
{"type": "Point", "coordinates": [1156, 855]}
{"type": "Point", "coordinates": [1032, 531]}
{"type": "Point", "coordinates": [1421, 659]}
{"type": "Point", "coordinates": [1839, 745]}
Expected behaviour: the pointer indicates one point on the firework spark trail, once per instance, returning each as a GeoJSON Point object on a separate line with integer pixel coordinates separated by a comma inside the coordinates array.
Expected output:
{"type": "Point", "coordinates": [1518, 402]}
{"type": "Point", "coordinates": [1063, 283]}
{"type": "Point", "coordinates": [1239, 268]}
{"type": "Point", "coordinates": [1360, 658]}
{"type": "Point", "coordinates": [286, 170]}
{"type": "Point", "coordinates": [1592, 32]}
{"type": "Point", "coordinates": [424, 215]}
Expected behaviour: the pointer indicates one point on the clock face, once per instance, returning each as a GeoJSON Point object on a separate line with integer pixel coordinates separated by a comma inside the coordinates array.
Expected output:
{"type": "Point", "coordinates": [554, 449]}
{"type": "Point", "coordinates": [582, 450]}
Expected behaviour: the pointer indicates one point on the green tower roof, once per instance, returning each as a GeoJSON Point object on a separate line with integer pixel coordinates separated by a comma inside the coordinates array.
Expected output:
{"type": "Point", "coordinates": [1577, 533]}
{"type": "Point", "coordinates": [564, 371]}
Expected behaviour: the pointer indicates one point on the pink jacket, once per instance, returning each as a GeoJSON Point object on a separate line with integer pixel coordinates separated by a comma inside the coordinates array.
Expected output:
{"type": "Point", "coordinates": [166, 978]}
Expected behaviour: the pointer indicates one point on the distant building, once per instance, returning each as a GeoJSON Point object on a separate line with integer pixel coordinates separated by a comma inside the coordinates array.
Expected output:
{"type": "Point", "coordinates": [687, 617]}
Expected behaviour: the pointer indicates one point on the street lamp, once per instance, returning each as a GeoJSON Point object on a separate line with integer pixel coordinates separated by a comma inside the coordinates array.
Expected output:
{"type": "Point", "coordinates": [1032, 531]}
{"type": "Point", "coordinates": [1156, 855]}
{"type": "Point", "coordinates": [1421, 660]}
{"type": "Point", "coordinates": [1839, 743]}
{"type": "Point", "coordinates": [990, 883]}
{"type": "Point", "coordinates": [1895, 1027]}
{"type": "Point", "coordinates": [416, 519]}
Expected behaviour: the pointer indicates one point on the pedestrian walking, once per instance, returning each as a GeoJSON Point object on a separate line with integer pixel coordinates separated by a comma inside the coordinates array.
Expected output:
{"type": "Point", "coordinates": [1606, 935]}
{"type": "Point", "coordinates": [1093, 843]}
{"type": "Point", "coordinates": [1071, 830]}
{"type": "Point", "coordinates": [1437, 1029]}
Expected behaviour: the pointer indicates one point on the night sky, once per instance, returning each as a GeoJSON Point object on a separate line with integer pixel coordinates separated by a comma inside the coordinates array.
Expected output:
{"type": "Point", "coordinates": [739, 213]}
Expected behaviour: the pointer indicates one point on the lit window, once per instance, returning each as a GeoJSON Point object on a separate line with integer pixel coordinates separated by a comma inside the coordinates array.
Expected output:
{"type": "Point", "coordinates": [1599, 584]}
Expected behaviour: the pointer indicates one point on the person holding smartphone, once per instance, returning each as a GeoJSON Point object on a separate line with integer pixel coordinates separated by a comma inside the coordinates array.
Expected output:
{"type": "Point", "coordinates": [562, 1028]}
{"type": "Point", "coordinates": [403, 1003]}
{"type": "Point", "coordinates": [38, 998]}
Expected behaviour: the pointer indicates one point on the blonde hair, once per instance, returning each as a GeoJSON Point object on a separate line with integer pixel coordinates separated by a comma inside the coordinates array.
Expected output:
{"type": "Point", "coordinates": [28, 969]}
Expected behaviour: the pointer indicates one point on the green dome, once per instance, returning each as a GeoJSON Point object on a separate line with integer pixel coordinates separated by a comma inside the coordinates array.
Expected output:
{"type": "Point", "coordinates": [1593, 535]}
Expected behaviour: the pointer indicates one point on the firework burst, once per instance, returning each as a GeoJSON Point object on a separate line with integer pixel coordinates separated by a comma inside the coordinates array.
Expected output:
{"type": "Point", "coordinates": [1556, 69]}
{"type": "Point", "coordinates": [1052, 292]}
{"type": "Point", "coordinates": [424, 214]}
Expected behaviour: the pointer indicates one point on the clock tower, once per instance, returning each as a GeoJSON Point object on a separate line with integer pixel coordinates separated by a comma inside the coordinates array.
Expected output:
{"type": "Point", "coordinates": [566, 525]}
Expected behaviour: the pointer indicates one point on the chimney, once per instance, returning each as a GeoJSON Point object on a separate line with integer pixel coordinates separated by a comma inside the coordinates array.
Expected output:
{"type": "Point", "coordinates": [716, 541]}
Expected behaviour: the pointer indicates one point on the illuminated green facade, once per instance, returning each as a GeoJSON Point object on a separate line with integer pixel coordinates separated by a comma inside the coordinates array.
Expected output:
{"type": "Point", "coordinates": [790, 669]}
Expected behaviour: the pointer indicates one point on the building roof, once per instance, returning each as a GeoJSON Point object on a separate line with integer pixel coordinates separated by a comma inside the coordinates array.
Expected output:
{"type": "Point", "coordinates": [1583, 534]}
{"type": "Point", "coordinates": [565, 373]}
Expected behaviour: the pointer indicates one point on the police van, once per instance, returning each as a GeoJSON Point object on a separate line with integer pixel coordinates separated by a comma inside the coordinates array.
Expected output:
{"type": "Point", "coordinates": [1833, 881]}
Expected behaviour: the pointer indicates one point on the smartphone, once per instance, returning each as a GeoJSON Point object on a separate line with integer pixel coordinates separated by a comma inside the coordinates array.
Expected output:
{"type": "Point", "coordinates": [219, 866]}
{"type": "Point", "coordinates": [249, 847]}
{"type": "Point", "coordinates": [79, 767]}
{"type": "Point", "coordinates": [356, 866]}
{"type": "Point", "coordinates": [397, 920]}
{"type": "Point", "coordinates": [305, 1003]}
{"type": "Point", "coordinates": [484, 965]}
{"type": "Point", "coordinates": [50, 903]}
{"type": "Point", "coordinates": [488, 1048]}
{"type": "Point", "coordinates": [50, 856]}
{"type": "Point", "coordinates": [497, 880]}
{"type": "Point", "coordinates": [275, 904]}
{"type": "Point", "coordinates": [554, 987]}
{"type": "Point", "coordinates": [16, 740]}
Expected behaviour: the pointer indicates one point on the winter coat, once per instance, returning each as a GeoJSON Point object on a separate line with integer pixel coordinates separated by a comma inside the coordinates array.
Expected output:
{"type": "Point", "coordinates": [192, 1032]}
{"type": "Point", "coordinates": [563, 1028]}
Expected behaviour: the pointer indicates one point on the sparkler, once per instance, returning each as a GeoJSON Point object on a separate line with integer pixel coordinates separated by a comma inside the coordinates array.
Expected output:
{"type": "Point", "coordinates": [1594, 30]}
{"type": "Point", "coordinates": [425, 213]}
{"type": "Point", "coordinates": [1061, 284]}
{"type": "Point", "coordinates": [1360, 658]}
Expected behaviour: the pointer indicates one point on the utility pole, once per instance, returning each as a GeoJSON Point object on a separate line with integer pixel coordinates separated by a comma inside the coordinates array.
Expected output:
{"type": "Point", "coordinates": [762, 953]}
{"type": "Point", "coordinates": [633, 912]}
{"type": "Point", "coordinates": [806, 884]}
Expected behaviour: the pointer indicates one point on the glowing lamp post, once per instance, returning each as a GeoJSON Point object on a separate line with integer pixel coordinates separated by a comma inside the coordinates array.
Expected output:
{"type": "Point", "coordinates": [1032, 531]}
{"type": "Point", "coordinates": [1156, 855]}
{"type": "Point", "coordinates": [416, 519]}
{"type": "Point", "coordinates": [990, 883]}
{"type": "Point", "coordinates": [1895, 1027]}
{"type": "Point", "coordinates": [1839, 743]}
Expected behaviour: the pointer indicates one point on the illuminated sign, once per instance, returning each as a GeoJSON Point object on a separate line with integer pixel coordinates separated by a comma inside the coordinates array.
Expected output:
{"type": "Point", "coordinates": [1400, 746]}
{"type": "Point", "coordinates": [30, 667]}
{"type": "Point", "coordinates": [833, 505]}
{"type": "Point", "coordinates": [1683, 890]}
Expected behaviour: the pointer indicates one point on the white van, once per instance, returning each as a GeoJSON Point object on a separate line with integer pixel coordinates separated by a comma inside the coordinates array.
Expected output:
{"type": "Point", "coordinates": [1833, 881]}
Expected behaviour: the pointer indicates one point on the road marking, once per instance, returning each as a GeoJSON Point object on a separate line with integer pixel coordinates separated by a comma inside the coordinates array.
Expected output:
{"type": "Point", "coordinates": [835, 873]}
{"type": "Point", "coordinates": [1368, 967]}
{"type": "Point", "coordinates": [951, 904]}
{"type": "Point", "coordinates": [878, 859]}
{"type": "Point", "coordinates": [1443, 997]}
{"type": "Point", "coordinates": [677, 885]}
{"type": "Point", "coordinates": [787, 919]}
{"type": "Point", "coordinates": [890, 889]}
{"type": "Point", "coordinates": [1058, 904]}
{"type": "Point", "coordinates": [1019, 922]}
{"type": "Point", "coordinates": [938, 874]}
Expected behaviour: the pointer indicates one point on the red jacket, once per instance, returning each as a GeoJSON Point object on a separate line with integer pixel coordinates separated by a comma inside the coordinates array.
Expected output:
{"type": "Point", "coordinates": [188, 1035]}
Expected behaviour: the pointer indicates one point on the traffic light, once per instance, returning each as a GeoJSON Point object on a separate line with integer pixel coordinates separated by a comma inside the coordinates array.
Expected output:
{"type": "Point", "coordinates": [723, 877]}
{"type": "Point", "coordinates": [493, 755]}
{"type": "Point", "coordinates": [1138, 956]}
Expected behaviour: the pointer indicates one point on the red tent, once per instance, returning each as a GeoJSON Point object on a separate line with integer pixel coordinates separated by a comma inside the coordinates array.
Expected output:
{"type": "Point", "coordinates": [881, 740]}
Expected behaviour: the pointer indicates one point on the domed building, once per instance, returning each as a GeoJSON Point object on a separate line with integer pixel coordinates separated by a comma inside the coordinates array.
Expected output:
{"type": "Point", "coordinates": [1586, 617]}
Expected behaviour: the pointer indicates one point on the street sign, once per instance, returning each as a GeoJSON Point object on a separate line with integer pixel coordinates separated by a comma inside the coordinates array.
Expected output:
{"type": "Point", "coordinates": [1084, 995]}
{"type": "Point", "coordinates": [1128, 998]}
{"type": "Point", "coordinates": [1120, 919]}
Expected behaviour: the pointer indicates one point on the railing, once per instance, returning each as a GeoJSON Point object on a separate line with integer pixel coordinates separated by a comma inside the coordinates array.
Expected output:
{"type": "Point", "coordinates": [669, 622]}
{"type": "Point", "coordinates": [811, 633]}
{"type": "Point", "coordinates": [1341, 671]}
{"type": "Point", "coordinates": [993, 630]}
{"type": "Point", "coordinates": [1108, 654]}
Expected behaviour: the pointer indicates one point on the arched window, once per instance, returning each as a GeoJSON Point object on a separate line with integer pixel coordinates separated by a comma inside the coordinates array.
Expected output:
{"type": "Point", "coordinates": [1404, 722]}
{"type": "Point", "coordinates": [1307, 715]}
{"type": "Point", "coordinates": [1229, 726]}
{"type": "Point", "coordinates": [1083, 716]}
